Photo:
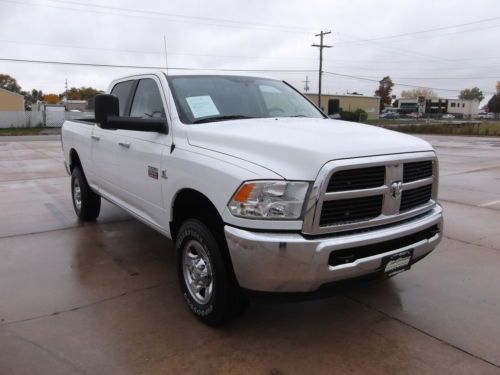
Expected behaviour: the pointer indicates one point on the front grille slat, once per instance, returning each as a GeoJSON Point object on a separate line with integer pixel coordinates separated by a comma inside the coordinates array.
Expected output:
{"type": "Point", "coordinates": [354, 179]}
{"type": "Point", "coordinates": [350, 210]}
{"type": "Point", "coordinates": [417, 170]}
{"type": "Point", "coordinates": [415, 197]}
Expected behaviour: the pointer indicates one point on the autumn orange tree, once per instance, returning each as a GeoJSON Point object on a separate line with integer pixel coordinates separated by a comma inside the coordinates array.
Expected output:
{"type": "Point", "coordinates": [51, 98]}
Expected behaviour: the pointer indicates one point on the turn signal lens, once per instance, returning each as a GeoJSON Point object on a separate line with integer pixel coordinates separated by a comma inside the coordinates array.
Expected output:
{"type": "Point", "coordinates": [244, 193]}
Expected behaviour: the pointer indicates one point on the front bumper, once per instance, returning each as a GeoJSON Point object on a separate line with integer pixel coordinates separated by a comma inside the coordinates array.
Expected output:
{"type": "Point", "coordinates": [289, 262]}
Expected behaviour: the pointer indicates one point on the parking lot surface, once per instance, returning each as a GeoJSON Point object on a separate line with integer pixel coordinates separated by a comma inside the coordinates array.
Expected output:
{"type": "Point", "coordinates": [102, 298]}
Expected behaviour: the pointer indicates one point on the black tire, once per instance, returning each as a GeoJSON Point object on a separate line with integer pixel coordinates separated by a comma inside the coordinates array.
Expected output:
{"type": "Point", "coordinates": [223, 298]}
{"type": "Point", "coordinates": [86, 203]}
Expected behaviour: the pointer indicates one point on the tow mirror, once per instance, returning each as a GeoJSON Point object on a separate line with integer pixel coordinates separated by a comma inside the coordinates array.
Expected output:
{"type": "Point", "coordinates": [105, 106]}
{"type": "Point", "coordinates": [107, 116]}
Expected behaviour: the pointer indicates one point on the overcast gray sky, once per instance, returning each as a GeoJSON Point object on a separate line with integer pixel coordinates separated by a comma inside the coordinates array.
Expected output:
{"type": "Point", "coordinates": [268, 35]}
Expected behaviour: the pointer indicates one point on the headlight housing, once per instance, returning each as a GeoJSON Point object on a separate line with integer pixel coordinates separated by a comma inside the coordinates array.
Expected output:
{"type": "Point", "coordinates": [269, 200]}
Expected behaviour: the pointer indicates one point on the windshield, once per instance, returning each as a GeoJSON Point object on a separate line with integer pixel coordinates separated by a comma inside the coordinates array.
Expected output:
{"type": "Point", "coordinates": [218, 98]}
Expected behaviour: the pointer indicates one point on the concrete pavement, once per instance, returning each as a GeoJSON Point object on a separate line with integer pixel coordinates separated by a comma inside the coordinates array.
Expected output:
{"type": "Point", "coordinates": [103, 297]}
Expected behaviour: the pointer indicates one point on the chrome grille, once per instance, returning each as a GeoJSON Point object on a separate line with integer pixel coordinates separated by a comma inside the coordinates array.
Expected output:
{"type": "Point", "coordinates": [360, 193]}
{"type": "Point", "coordinates": [415, 197]}
{"type": "Point", "coordinates": [350, 210]}
{"type": "Point", "coordinates": [353, 179]}
{"type": "Point", "coordinates": [417, 170]}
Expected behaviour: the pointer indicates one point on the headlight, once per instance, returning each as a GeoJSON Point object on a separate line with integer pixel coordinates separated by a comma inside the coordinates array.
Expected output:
{"type": "Point", "coordinates": [269, 200]}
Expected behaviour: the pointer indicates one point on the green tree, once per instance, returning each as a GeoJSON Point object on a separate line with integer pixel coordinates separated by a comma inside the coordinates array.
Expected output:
{"type": "Point", "coordinates": [494, 105]}
{"type": "Point", "coordinates": [73, 94]}
{"type": "Point", "coordinates": [384, 92]}
{"type": "Point", "coordinates": [82, 93]}
{"type": "Point", "coordinates": [471, 94]}
{"type": "Point", "coordinates": [31, 97]}
{"type": "Point", "coordinates": [9, 83]}
{"type": "Point", "coordinates": [88, 92]}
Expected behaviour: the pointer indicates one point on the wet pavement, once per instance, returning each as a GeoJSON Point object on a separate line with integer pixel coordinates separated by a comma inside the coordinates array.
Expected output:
{"type": "Point", "coordinates": [102, 298]}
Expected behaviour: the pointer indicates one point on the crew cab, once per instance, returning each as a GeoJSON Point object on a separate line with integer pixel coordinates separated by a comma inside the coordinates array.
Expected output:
{"type": "Point", "coordinates": [259, 190]}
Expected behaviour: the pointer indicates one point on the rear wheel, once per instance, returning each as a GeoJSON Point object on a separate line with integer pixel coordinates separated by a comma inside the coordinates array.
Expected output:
{"type": "Point", "coordinates": [86, 203]}
{"type": "Point", "coordinates": [205, 278]}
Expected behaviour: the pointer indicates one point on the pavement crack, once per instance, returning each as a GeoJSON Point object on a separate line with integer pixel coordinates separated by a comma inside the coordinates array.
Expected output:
{"type": "Point", "coordinates": [80, 307]}
{"type": "Point", "coordinates": [428, 334]}
{"type": "Point", "coordinates": [473, 243]}
{"type": "Point", "coordinates": [57, 356]}
{"type": "Point", "coordinates": [67, 228]}
{"type": "Point", "coordinates": [467, 204]}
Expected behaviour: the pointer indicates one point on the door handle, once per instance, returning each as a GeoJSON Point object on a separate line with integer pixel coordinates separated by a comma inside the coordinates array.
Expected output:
{"type": "Point", "coordinates": [124, 144]}
{"type": "Point", "coordinates": [95, 137]}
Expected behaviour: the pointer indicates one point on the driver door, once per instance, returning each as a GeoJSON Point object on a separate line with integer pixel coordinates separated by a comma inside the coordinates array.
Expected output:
{"type": "Point", "coordinates": [141, 154]}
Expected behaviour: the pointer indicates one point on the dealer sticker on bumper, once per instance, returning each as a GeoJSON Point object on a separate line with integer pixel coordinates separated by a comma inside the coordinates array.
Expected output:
{"type": "Point", "coordinates": [398, 262]}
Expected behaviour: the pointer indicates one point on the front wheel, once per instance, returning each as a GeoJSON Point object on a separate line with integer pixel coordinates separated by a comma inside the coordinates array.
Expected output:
{"type": "Point", "coordinates": [204, 275]}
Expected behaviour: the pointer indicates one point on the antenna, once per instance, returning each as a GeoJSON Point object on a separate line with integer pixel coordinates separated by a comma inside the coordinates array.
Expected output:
{"type": "Point", "coordinates": [167, 97]}
{"type": "Point", "coordinates": [166, 54]}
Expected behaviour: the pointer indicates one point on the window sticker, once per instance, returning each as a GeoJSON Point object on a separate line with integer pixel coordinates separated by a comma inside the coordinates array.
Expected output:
{"type": "Point", "coordinates": [202, 106]}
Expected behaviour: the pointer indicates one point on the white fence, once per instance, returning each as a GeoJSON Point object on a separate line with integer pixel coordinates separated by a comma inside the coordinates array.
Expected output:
{"type": "Point", "coordinates": [31, 119]}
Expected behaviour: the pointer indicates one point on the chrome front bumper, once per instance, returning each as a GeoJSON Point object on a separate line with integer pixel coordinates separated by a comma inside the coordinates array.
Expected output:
{"type": "Point", "coordinates": [289, 262]}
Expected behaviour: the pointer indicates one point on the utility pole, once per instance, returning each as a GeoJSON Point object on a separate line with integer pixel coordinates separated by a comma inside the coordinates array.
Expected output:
{"type": "Point", "coordinates": [321, 46]}
{"type": "Point", "coordinates": [66, 89]}
{"type": "Point", "coordinates": [306, 84]}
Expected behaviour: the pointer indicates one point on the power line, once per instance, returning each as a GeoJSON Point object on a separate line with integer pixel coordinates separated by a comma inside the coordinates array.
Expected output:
{"type": "Point", "coordinates": [159, 16]}
{"type": "Point", "coordinates": [220, 70]}
{"type": "Point", "coordinates": [150, 52]}
{"type": "Point", "coordinates": [155, 12]}
{"type": "Point", "coordinates": [420, 32]}
{"type": "Point", "coordinates": [395, 83]}
{"type": "Point", "coordinates": [156, 67]}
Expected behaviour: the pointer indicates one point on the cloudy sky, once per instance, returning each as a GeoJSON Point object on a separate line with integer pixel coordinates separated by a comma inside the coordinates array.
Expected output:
{"type": "Point", "coordinates": [443, 44]}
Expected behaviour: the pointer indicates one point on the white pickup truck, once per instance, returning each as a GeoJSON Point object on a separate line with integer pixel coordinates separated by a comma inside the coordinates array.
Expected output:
{"type": "Point", "coordinates": [259, 190]}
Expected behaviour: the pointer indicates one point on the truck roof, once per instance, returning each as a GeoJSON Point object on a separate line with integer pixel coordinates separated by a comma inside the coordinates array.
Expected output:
{"type": "Point", "coordinates": [182, 72]}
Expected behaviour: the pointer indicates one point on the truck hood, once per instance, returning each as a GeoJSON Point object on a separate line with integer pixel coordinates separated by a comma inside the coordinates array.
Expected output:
{"type": "Point", "coordinates": [296, 148]}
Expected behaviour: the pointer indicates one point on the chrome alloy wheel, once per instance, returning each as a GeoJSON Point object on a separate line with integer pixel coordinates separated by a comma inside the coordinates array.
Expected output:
{"type": "Point", "coordinates": [197, 272]}
{"type": "Point", "coordinates": [77, 194]}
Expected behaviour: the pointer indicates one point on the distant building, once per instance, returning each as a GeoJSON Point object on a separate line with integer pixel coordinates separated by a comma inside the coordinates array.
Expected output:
{"type": "Point", "coordinates": [75, 105]}
{"type": "Point", "coordinates": [440, 106]}
{"type": "Point", "coordinates": [332, 104]}
{"type": "Point", "coordinates": [11, 101]}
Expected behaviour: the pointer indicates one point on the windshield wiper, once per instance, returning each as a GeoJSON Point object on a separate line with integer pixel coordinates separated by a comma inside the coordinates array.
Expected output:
{"type": "Point", "coordinates": [221, 118]}
{"type": "Point", "coordinates": [298, 116]}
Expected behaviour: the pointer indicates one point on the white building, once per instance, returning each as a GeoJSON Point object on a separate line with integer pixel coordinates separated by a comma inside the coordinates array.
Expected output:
{"type": "Point", "coordinates": [436, 106]}
{"type": "Point", "coordinates": [463, 107]}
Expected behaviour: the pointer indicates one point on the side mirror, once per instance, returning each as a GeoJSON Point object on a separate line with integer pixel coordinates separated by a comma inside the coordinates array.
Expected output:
{"type": "Point", "coordinates": [107, 116]}
{"type": "Point", "coordinates": [105, 105]}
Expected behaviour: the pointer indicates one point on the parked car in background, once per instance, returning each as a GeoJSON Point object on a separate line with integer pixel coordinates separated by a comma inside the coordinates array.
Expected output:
{"type": "Point", "coordinates": [448, 116]}
{"type": "Point", "coordinates": [412, 115]}
{"type": "Point", "coordinates": [485, 116]}
{"type": "Point", "coordinates": [389, 115]}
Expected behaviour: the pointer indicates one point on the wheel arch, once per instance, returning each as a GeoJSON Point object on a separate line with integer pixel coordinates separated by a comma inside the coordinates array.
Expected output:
{"type": "Point", "coordinates": [74, 160]}
{"type": "Point", "coordinates": [189, 203]}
